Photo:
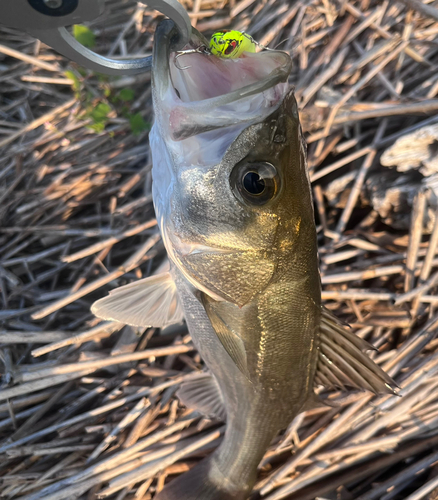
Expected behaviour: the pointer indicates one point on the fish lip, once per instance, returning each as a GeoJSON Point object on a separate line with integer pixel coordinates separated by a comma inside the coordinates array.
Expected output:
{"type": "Point", "coordinates": [165, 41]}
{"type": "Point", "coordinates": [166, 35]}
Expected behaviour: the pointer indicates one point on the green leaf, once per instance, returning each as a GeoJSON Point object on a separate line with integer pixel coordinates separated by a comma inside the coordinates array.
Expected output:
{"type": "Point", "coordinates": [97, 127]}
{"type": "Point", "coordinates": [100, 112]}
{"type": "Point", "coordinates": [84, 35]}
{"type": "Point", "coordinates": [99, 116]}
{"type": "Point", "coordinates": [126, 95]}
{"type": "Point", "coordinates": [138, 125]}
{"type": "Point", "coordinates": [82, 71]}
{"type": "Point", "coordinates": [76, 85]}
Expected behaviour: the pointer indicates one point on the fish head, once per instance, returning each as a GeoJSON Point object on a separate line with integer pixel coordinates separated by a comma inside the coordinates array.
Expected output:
{"type": "Point", "coordinates": [228, 166]}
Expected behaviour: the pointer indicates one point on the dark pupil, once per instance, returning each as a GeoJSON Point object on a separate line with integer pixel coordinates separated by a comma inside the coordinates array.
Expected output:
{"type": "Point", "coordinates": [253, 183]}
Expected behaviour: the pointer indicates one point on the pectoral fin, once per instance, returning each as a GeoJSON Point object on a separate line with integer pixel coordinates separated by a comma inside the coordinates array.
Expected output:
{"type": "Point", "coordinates": [202, 393]}
{"type": "Point", "coordinates": [341, 362]}
{"type": "Point", "coordinates": [232, 343]}
{"type": "Point", "coordinates": [150, 302]}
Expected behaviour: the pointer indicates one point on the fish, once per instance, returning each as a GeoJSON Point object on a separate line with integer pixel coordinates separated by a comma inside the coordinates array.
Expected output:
{"type": "Point", "coordinates": [234, 206]}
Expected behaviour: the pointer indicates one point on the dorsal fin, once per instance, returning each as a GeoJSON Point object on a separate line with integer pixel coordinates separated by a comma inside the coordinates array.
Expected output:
{"type": "Point", "coordinates": [341, 362]}
{"type": "Point", "coordinates": [152, 301]}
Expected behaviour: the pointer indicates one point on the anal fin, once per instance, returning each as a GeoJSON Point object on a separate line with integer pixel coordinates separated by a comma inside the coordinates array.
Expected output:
{"type": "Point", "coordinates": [342, 362]}
{"type": "Point", "coordinates": [150, 302]}
{"type": "Point", "coordinates": [202, 393]}
{"type": "Point", "coordinates": [313, 402]}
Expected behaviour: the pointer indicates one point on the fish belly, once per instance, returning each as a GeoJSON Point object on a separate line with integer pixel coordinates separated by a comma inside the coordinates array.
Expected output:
{"type": "Point", "coordinates": [250, 427]}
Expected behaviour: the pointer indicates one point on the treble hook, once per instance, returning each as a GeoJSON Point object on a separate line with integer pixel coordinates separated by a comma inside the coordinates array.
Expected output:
{"type": "Point", "coordinates": [202, 49]}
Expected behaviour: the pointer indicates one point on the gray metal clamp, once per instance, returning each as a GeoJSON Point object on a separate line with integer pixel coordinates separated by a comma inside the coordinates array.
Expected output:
{"type": "Point", "coordinates": [47, 19]}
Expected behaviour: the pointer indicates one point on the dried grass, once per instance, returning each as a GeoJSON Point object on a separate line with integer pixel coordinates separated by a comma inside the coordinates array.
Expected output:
{"type": "Point", "coordinates": [87, 408]}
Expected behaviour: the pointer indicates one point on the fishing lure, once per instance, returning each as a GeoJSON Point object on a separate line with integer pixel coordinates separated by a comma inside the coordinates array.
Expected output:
{"type": "Point", "coordinates": [228, 44]}
{"type": "Point", "coordinates": [232, 44]}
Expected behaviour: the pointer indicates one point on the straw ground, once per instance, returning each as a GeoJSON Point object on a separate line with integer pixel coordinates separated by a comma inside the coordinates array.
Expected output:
{"type": "Point", "coordinates": [88, 408]}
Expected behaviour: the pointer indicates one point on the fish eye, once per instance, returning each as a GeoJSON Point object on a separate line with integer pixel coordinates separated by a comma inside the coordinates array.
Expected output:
{"type": "Point", "coordinates": [255, 183]}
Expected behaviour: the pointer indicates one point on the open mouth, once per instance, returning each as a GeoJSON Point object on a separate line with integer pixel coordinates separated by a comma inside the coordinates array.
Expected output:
{"type": "Point", "coordinates": [198, 76]}
{"type": "Point", "coordinates": [202, 101]}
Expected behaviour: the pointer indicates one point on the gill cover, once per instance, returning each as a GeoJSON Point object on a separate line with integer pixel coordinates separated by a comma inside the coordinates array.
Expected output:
{"type": "Point", "coordinates": [224, 220]}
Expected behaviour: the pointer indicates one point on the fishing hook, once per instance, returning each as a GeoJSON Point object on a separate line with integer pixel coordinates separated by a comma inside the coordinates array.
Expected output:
{"type": "Point", "coordinates": [199, 50]}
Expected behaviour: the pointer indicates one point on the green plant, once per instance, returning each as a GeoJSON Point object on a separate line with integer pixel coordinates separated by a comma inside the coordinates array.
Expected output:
{"type": "Point", "coordinates": [99, 116]}
{"type": "Point", "coordinates": [97, 109]}
{"type": "Point", "coordinates": [138, 125]}
{"type": "Point", "coordinates": [84, 35]}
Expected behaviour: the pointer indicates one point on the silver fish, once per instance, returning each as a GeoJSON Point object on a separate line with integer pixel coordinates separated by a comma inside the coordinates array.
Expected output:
{"type": "Point", "coordinates": [234, 205]}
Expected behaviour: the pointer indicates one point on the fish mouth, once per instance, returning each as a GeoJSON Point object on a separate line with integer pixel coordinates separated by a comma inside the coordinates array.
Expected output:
{"type": "Point", "coordinates": [198, 92]}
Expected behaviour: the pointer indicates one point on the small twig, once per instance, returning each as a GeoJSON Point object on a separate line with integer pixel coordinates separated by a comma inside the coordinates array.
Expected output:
{"type": "Point", "coordinates": [37, 123]}
{"type": "Point", "coordinates": [415, 235]}
{"type": "Point", "coordinates": [97, 247]}
{"type": "Point", "coordinates": [426, 10]}
{"type": "Point", "coordinates": [129, 265]}
{"type": "Point", "coordinates": [34, 61]}
{"type": "Point", "coordinates": [101, 363]}
{"type": "Point", "coordinates": [102, 330]}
